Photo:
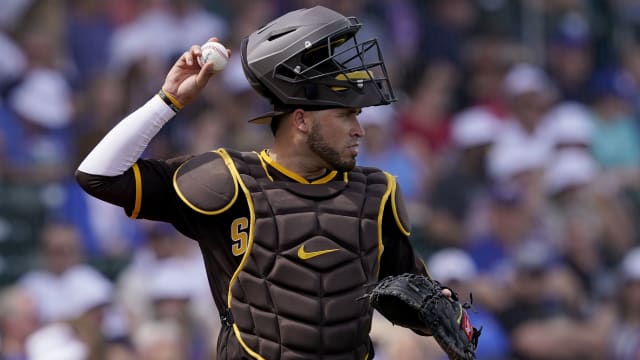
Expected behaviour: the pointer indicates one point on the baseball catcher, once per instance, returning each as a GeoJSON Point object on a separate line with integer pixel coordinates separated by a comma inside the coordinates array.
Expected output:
{"type": "Point", "coordinates": [419, 303]}
{"type": "Point", "coordinates": [292, 234]}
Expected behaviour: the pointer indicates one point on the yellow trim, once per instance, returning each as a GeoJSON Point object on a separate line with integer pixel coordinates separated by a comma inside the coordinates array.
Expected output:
{"type": "Point", "coordinates": [383, 203]}
{"type": "Point", "coordinates": [252, 220]}
{"type": "Point", "coordinates": [394, 207]}
{"type": "Point", "coordinates": [425, 268]}
{"type": "Point", "coordinates": [197, 209]}
{"type": "Point", "coordinates": [173, 100]}
{"type": "Point", "coordinates": [394, 188]}
{"type": "Point", "coordinates": [323, 180]}
{"type": "Point", "coordinates": [138, 201]}
{"type": "Point", "coordinates": [246, 347]}
{"type": "Point", "coordinates": [264, 165]}
{"type": "Point", "coordinates": [354, 75]}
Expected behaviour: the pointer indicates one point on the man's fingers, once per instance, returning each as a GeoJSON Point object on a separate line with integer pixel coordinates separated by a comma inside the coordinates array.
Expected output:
{"type": "Point", "coordinates": [447, 293]}
{"type": "Point", "coordinates": [204, 75]}
{"type": "Point", "coordinates": [188, 59]}
{"type": "Point", "coordinates": [191, 55]}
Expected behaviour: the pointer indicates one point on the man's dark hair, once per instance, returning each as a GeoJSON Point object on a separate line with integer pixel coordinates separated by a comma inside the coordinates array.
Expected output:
{"type": "Point", "coordinates": [275, 123]}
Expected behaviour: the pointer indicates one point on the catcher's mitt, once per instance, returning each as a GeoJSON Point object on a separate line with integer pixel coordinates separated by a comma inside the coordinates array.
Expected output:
{"type": "Point", "coordinates": [417, 302]}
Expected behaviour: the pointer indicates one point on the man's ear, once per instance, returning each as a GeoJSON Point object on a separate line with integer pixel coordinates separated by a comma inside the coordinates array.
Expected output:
{"type": "Point", "coordinates": [301, 120]}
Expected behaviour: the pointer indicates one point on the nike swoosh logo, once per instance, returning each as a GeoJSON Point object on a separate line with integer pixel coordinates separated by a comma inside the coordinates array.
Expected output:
{"type": "Point", "coordinates": [304, 255]}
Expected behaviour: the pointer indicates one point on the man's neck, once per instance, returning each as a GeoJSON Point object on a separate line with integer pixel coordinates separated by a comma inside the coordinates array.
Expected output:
{"type": "Point", "coordinates": [296, 163]}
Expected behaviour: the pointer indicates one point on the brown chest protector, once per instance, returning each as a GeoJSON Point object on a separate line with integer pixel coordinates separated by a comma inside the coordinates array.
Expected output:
{"type": "Point", "coordinates": [312, 250]}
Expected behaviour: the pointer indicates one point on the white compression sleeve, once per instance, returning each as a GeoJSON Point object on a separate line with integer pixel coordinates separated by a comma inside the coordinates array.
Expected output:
{"type": "Point", "coordinates": [124, 144]}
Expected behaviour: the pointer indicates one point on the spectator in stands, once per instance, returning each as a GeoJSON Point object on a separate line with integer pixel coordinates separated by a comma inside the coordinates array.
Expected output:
{"type": "Point", "coordinates": [616, 141]}
{"type": "Point", "coordinates": [540, 319]}
{"type": "Point", "coordinates": [630, 62]}
{"type": "Point", "coordinates": [460, 191]}
{"type": "Point", "coordinates": [120, 349]}
{"type": "Point", "coordinates": [88, 33]}
{"type": "Point", "coordinates": [456, 269]}
{"type": "Point", "coordinates": [160, 340]}
{"type": "Point", "coordinates": [56, 341]}
{"type": "Point", "coordinates": [79, 332]}
{"type": "Point", "coordinates": [529, 93]}
{"type": "Point", "coordinates": [510, 226]}
{"type": "Point", "coordinates": [63, 272]}
{"type": "Point", "coordinates": [183, 22]}
{"type": "Point", "coordinates": [13, 65]}
{"type": "Point", "coordinates": [423, 120]}
{"type": "Point", "coordinates": [166, 279]}
{"type": "Point", "coordinates": [35, 122]}
{"type": "Point", "coordinates": [90, 295]}
{"type": "Point", "coordinates": [18, 320]}
{"type": "Point", "coordinates": [521, 148]}
{"type": "Point", "coordinates": [625, 334]}
{"type": "Point", "coordinates": [569, 125]}
{"type": "Point", "coordinates": [570, 57]}
{"type": "Point", "coordinates": [403, 21]}
{"type": "Point", "coordinates": [172, 294]}
{"type": "Point", "coordinates": [487, 58]}
{"type": "Point", "coordinates": [381, 147]}
{"type": "Point", "coordinates": [593, 230]}
{"type": "Point", "coordinates": [164, 245]}
{"type": "Point", "coordinates": [105, 233]}
{"type": "Point", "coordinates": [447, 23]}
{"type": "Point", "coordinates": [133, 282]}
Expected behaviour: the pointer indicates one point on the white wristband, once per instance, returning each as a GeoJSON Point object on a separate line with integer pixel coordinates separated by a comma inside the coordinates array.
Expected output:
{"type": "Point", "coordinates": [124, 144]}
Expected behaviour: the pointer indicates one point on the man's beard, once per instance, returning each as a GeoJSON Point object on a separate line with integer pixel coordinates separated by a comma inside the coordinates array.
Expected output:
{"type": "Point", "coordinates": [319, 146]}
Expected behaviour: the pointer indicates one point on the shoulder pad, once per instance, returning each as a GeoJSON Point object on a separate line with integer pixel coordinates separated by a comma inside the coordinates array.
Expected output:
{"type": "Point", "coordinates": [398, 206]}
{"type": "Point", "coordinates": [205, 184]}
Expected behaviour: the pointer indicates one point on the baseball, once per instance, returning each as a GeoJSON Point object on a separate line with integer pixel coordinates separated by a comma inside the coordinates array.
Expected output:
{"type": "Point", "coordinates": [216, 53]}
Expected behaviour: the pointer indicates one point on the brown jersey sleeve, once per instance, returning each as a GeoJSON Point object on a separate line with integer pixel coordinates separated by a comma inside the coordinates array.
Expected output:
{"type": "Point", "coordinates": [143, 191]}
{"type": "Point", "coordinates": [398, 256]}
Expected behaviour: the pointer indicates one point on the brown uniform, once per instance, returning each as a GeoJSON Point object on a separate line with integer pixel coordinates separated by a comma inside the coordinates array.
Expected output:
{"type": "Point", "coordinates": [286, 257]}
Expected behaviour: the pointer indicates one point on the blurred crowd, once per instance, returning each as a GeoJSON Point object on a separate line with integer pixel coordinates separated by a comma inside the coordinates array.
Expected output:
{"type": "Point", "coordinates": [515, 141]}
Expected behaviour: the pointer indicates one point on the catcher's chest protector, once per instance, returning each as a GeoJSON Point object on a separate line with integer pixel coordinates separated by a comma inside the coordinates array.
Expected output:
{"type": "Point", "coordinates": [314, 248]}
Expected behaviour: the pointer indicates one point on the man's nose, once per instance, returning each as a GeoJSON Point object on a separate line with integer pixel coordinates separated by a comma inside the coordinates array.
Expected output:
{"type": "Point", "coordinates": [358, 130]}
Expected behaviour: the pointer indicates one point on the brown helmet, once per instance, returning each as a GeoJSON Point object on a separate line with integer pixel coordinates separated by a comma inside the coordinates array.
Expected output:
{"type": "Point", "coordinates": [310, 58]}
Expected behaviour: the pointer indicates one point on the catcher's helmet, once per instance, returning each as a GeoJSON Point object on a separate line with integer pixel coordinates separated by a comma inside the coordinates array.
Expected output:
{"type": "Point", "coordinates": [310, 58]}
